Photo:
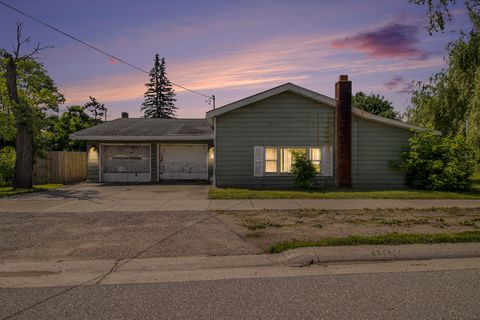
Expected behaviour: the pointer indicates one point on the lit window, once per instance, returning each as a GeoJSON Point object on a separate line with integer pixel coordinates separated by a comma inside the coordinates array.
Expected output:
{"type": "Point", "coordinates": [270, 160]}
{"type": "Point", "coordinates": [316, 157]}
{"type": "Point", "coordinates": [288, 158]}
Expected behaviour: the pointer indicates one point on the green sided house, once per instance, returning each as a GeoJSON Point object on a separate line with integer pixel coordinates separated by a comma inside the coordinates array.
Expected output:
{"type": "Point", "coordinates": [250, 143]}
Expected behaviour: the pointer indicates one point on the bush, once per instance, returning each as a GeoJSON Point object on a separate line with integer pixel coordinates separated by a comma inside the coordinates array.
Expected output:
{"type": "Point", "coordinates": [7, 165]}
{"type": "Point", "coordinates": [438, 163]}
{"type": "Point", "coordinates": [304, 171]}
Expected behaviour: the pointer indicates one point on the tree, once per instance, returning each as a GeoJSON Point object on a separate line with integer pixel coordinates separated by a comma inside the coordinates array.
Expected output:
{"type": "Point", "coordinates": [160, 96]}
{"type": "Point", "coordinates": [375, 104]}
{"type": "Point", "coordinates": [438, 12]}
{"type": "Point", "coordinates": [434, 162]}
{"type": "Point", "coordinates": [450, 100]}
{"type": "Point", "coordinates": [30, 93]}
{"type": "Point", "coordinates": [96, 109]}
{"type": "Point", "coordinates": [73, 119]}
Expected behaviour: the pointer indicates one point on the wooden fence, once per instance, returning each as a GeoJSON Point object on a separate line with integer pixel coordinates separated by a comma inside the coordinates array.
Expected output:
{"type": "Point", "coordinates": [60, 167]}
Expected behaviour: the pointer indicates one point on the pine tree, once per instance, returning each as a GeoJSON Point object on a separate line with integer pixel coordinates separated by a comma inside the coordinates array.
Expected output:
{"type": "Point", "coordinates": [160, 96]}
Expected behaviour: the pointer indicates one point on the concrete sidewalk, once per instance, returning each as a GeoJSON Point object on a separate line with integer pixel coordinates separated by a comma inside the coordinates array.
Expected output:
{"type": "Point", "coordinates": [335, 260]}
{"type": "Point", "coordinates": [131, 205]}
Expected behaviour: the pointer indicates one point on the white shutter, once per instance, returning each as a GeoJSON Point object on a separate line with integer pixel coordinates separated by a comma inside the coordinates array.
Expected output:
{"type": "Point", "coordinates": [327, 161]}
{"type": "Point", "coordinates": [258, 155]}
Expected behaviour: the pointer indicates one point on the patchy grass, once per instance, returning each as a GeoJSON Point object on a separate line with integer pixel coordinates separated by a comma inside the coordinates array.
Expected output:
{"type": "Point", "coordinates": [238, 193]}
{"type": "Point", "coordinates": [259, 223]}
{"type": "Point", "coordinates": [6, 191]}
{"type": "Point", "coordinates": [389, 238]}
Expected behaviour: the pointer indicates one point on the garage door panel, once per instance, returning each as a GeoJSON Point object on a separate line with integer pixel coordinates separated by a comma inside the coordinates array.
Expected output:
{"type": "Point", "coordinates": [183, 162]}
{"type": "Point", "coordinates": [126, 163]}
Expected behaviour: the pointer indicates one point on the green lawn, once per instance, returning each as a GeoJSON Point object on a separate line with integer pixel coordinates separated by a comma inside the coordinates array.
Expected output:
{"type": "Point", "coordinates": [6, 191]}
{"type": "Point", "coordinates": [388, 239]}
{"type": "Point", "coordinates": [234, 193]}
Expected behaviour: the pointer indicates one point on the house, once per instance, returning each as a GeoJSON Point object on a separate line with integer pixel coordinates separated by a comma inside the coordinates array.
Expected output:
{"type": "Point", "coordinates": [250, 143]}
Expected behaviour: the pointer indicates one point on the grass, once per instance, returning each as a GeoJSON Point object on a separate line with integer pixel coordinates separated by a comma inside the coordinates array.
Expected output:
{"type": "Point", "coordinates": [6, 191]}
{"type": "Point", "coordinates": [388, 239]}
{"type": "Point", "coordinates": [234, 193]}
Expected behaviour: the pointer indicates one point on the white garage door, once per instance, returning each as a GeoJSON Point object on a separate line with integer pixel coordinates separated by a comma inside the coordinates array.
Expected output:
{"type": "Point", "coordinates": [183, 162]}
{"type": "Point", "coordinates": [126, 163]}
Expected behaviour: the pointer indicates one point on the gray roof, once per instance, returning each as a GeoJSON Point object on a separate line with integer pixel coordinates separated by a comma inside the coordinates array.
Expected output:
{"type": "Point", "coordinates": [147, 129]}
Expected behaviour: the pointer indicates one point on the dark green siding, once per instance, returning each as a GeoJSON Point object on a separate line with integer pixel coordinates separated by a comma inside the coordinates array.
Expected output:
{"type": "Point", "coordinates": [286, 119]}
{"type": "Point", "coordinates": [374, 146]}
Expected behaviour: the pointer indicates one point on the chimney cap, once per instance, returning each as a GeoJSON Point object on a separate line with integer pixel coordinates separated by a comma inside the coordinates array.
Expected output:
{"type": "Point", "coordinates": [124, 115]}
{"type": "Point", "coordinates": [343, 77]}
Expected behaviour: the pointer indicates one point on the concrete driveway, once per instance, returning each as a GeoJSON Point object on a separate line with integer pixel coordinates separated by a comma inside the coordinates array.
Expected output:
{"type": "Point", "coordinates": [89, 197]}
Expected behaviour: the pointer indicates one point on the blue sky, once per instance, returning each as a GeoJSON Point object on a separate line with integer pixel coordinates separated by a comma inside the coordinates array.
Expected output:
{"type": "Point", "coordinates": [232, 48]}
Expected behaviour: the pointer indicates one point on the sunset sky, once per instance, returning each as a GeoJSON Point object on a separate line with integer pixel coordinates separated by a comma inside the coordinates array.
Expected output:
{"type": "Point", "coordinates": [232, 48]}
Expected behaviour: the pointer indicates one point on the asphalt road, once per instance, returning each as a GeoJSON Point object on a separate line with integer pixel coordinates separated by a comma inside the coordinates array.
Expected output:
{"type": "Point", "coordinates": [402, 295]}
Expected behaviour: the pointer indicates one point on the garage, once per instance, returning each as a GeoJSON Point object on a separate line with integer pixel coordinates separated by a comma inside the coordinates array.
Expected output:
{"type": "Point", "coordinates": [125, 163]}
{"type": "Point", "coordinates": [183, 161]}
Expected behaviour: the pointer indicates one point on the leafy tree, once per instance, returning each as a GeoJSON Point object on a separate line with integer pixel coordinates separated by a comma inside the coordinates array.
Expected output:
{"type": "Point", "coordinates": [7, 165]}
{"type": "Point", "coordinates": [30, 94]}
{"type": "Point", "coordinates": [73, 119]}
{"type": "Point", "coordinates": [438, 12]}
{"type": "Point", "coordinates": [450, 100]}
{"type": "Point", "coordinates": [376, 104]}
{"type": "Point", "coordinates": [160, 96]}
{"type": "Point", "coordinates": [433, 162]}
{"type": "Point", "coordinates": [96, 109]}
{"type": "Point", "coordinates": [304, 171]}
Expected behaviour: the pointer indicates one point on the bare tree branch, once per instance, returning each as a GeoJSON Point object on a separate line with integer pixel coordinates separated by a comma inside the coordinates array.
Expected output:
{"type": "Point", "coordinates": [36, 50]}
{"type": "Point", "coordinates": [20, 42]}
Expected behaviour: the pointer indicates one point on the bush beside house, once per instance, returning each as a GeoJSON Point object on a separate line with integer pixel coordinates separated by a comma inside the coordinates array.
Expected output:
{"type": "Point", "coordinates": [438, 163]}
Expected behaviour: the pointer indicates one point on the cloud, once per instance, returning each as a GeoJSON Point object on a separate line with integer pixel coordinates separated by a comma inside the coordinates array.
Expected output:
{"type": "Point", "coordinates": [112, 61]}
{"type": "Point", "coordinates": [294, 58]}
{"type": "Point", "coordinates": [399, 84]}
{"type": "Point", "coordinates": [395, 40]}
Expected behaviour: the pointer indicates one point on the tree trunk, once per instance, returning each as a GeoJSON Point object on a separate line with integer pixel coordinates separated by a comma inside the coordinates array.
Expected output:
{"type": "Point", "coordinates": [24, 139]}
{"type": "Point", "coordinates": [24, 160]}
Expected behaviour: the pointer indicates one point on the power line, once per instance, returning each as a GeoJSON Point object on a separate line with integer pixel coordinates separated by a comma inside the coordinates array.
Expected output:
{"type": "Point", "coordinates": [212, 98]}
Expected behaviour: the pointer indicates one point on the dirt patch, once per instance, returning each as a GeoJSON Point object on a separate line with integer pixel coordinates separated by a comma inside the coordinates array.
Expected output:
{"type": "Point", "coordinates": [266, 227]}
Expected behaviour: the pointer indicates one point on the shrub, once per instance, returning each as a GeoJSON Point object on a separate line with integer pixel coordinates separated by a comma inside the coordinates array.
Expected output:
{"type": "Point", "coordinates": [304, 171]}
{"type": "Point", "coordinates": [7, 165]}
{"type": "Point", "coordinates": [438, 163]}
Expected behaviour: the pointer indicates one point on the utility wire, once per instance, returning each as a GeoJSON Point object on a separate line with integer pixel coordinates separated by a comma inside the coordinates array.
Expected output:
{"type": "Point", "coordinates": [97, 49]}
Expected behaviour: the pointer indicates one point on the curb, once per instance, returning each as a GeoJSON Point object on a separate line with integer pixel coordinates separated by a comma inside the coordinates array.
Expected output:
{"type": "Point", "coordinates": [317, 255]}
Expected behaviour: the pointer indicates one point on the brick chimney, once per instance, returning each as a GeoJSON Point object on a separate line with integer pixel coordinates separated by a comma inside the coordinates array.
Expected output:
{"type": "Point", "coordinates": [343, 119]}
{"type": "Point", "coordinates": [124, 115]}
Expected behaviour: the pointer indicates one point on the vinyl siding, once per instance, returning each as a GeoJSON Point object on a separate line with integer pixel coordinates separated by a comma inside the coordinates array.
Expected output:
{"type": "Point", "coordinates": [374, 145]}
{"type": "Point", "coordinates": [286, 119]}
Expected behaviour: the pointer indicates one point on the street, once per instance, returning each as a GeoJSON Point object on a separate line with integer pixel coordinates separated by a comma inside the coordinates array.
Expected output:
{"type": "Point", "coordinates": [444, 294]}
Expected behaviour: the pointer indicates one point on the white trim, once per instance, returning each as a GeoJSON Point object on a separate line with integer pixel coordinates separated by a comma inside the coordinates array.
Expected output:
{"type": "Point", "coordinates": [158, 162]}
{"type": "Point", "coordinates": [144, 138]}
{"type": "Point", "coordinates": [290, 87]}
{"type": "Point", "coordinates": [214, 152]}
{"type": "Point", "coordinates": [124, 144]}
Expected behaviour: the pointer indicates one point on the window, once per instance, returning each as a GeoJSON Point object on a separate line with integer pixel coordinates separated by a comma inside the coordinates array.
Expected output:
{"type": "Point", "coordinates": [288, 158]}
{"type": "Point", "coordinates": [315, 156]}
{"type": "Point", "coordinates": [271, 160]}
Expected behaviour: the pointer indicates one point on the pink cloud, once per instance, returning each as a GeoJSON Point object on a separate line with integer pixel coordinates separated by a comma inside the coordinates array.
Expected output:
{"type": "Point", "coordinates": [112, 61]}
{"type": "Point", "coordinates": [391, 41]}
